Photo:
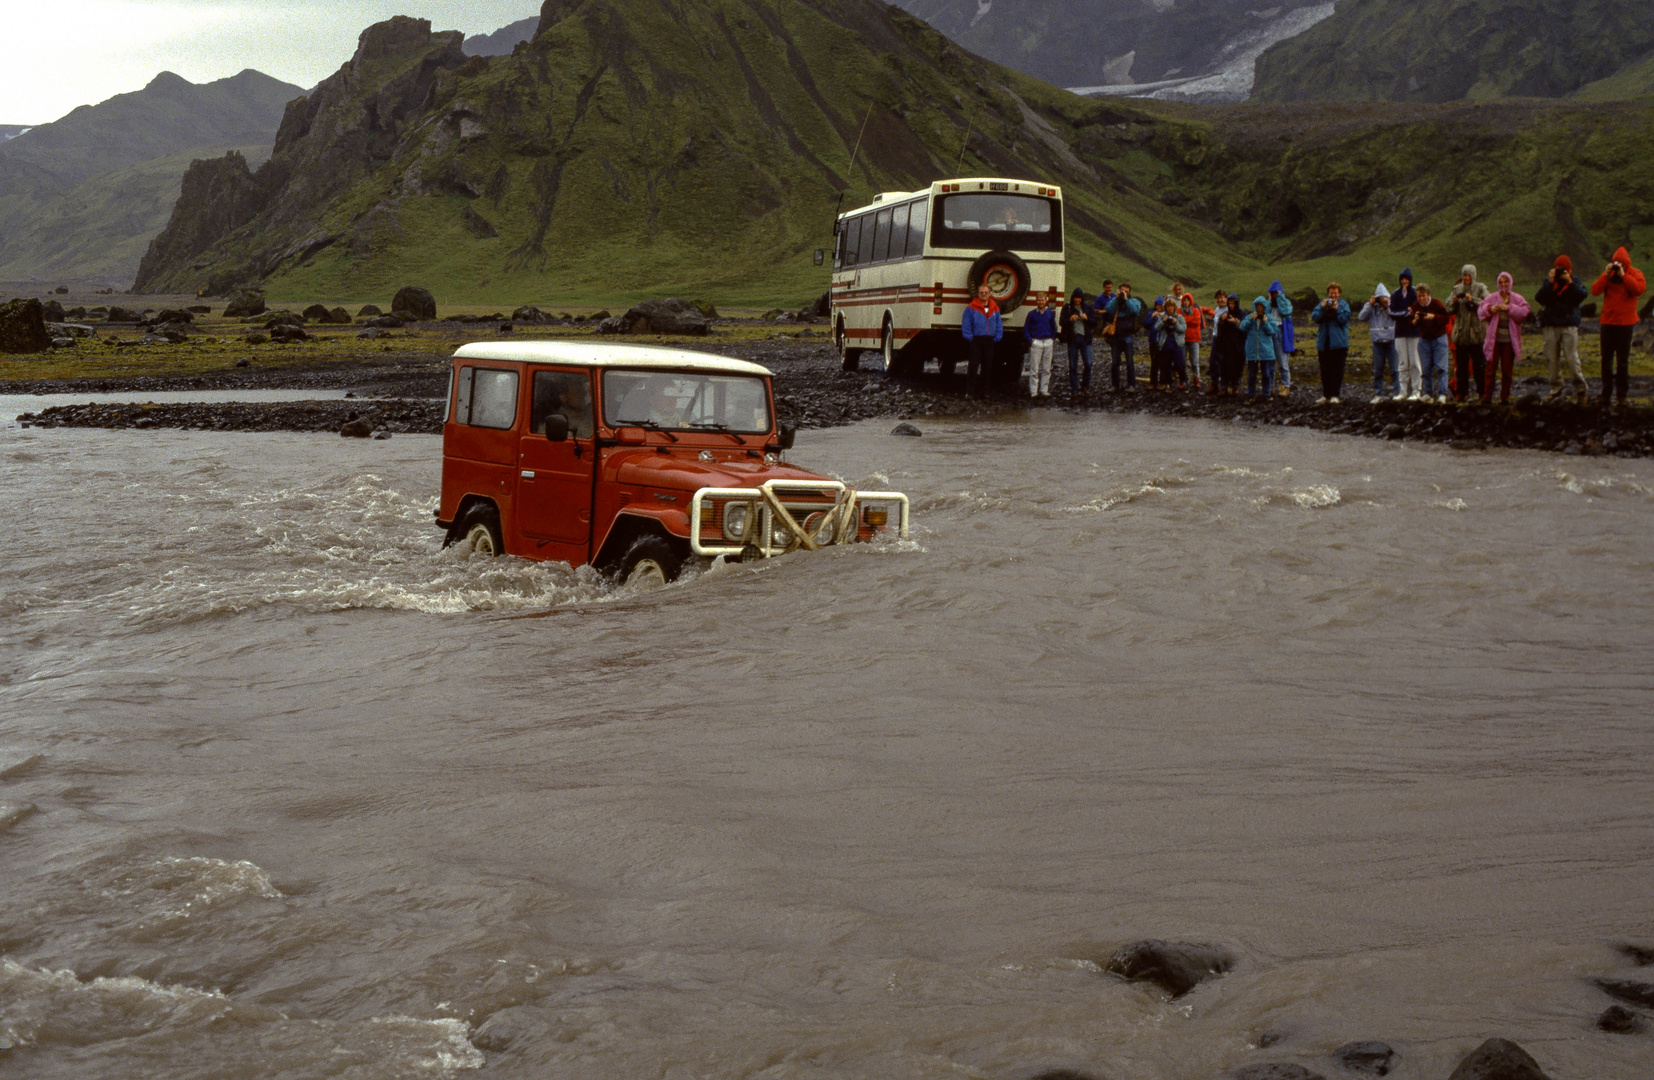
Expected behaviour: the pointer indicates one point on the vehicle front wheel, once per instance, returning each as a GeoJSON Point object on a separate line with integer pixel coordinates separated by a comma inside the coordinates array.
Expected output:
{"type": "Point", "coordinates": [649, 563]}
{"type": "Point", "coordinates": [479, 531]}
{"type": "Point", "coordinates": [887, 347]}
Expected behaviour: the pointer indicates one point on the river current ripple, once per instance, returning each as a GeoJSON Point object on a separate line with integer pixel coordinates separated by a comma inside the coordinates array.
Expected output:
{"type": "Point", "coordinates": [288, 791]}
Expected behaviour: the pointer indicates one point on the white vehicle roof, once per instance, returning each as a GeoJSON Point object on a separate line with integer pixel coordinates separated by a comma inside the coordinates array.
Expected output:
{"type": "Point", "coordinates": [994, 185]}
{"type": "Point", "coordinates": [586, 354]}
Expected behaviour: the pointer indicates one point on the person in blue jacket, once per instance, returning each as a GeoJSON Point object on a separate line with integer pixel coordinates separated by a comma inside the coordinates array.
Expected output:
{"type": "Point", "coordinates": [1039, 330]}
{"type": "Point", "coordinates": [1122, 319]}
{"type": "Point", "coordinates": [1262, 330]}
{"type": "Point", "coordinates": [982, 329]}
{"type": "Point", "coordinates": [1332, 341]}
{"type": "Point", "coordinates": [1284, 345]}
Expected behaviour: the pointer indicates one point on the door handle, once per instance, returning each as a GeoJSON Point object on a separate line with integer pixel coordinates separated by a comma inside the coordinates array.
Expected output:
{"type": "Point", "coordinates": [528, 474]}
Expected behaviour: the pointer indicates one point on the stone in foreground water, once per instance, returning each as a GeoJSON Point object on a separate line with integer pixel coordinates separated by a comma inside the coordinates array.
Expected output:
{"type": "Point", "coordinates": [1373, 1058]}
{"type": "Point", "coordinates": [1498, 1059]}
{"type": "Point", "coordinates": [1175, 966]}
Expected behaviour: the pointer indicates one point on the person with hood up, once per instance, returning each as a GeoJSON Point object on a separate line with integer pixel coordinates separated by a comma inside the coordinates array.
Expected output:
{"type": "Point", "coordinates": [1559, 299]}
{"type": "Point", "coordinates": [982, 328]}
{"type": "Point", "coordinates": [1039, 329]}
{"type": "Point", "coordinates": [1381, 332]}
{"type": "Point", "coordinates": [1332, 342]}
{"type": "Point", "coordinates": [1503, 311]}
{"type": "Point", "coordinates": [1122, 314]}
{"type": "Point", "coordinates": [1619, 286]}
{"type": "Point", "coordinates": [1408, 373]}
{"type": "Point", "coordinates": [1077, 322]}
{"type": "Point", "coordinates": [1469, 331]}
{"type": "Point", "coordinates": [1430, 318]}
{"type": "Point", "coordinates": [1155, 373]}
{"type": "Point", "coordinates": [1228, 346]}
{"type": "Point", "coordinates": [1262, 331]}
{"type": "Point", "coordinates": [1171, 329]}
{"type": "Point", "coordinates": [1285, 347]}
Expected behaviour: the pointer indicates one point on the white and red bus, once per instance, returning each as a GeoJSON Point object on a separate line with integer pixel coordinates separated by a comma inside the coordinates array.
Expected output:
{"type": "Point", "coordinates": [906, 264]}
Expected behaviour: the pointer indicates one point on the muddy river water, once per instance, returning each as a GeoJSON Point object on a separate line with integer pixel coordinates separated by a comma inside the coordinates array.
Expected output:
{"type": "Point", "coordinates": [288, 791]}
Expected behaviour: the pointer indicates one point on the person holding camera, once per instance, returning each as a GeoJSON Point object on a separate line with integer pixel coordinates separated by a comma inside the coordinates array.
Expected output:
{"type": "Point", "coordinates": [1559, 299]}
{"type": "Point", "coordinates": [1469, 333]}
{"type": "Point", "coordinates": [1076, 323]}
{"type": "Point", "coordinates": [1430, 318]}
{"type": "Point", "coordinates": [1332, 342]}
{"type": "Point", "coordinates": [1504, 311]}
{"type": "Point", "coordinates": [1381, 333]}
{"type": "Point", "coordinates": [1619, 286]}
{"type": "Point", "coordinates": [1285, 346]}
{"type": "Point", "coordinates": [1262, 331]}
{"type": "Point", "coordinates": [1123, 313]}
{"type": "Point", "coordinates": [1408, 373]}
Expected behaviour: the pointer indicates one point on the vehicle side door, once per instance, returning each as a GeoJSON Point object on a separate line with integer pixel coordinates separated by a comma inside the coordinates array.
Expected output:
{"type": "Point", "coordinates": [554, 486]}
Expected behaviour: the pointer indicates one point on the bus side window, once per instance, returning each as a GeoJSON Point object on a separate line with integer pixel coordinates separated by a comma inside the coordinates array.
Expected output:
{"type": "Point", "coordinates": [881, 242]}
{"type": "Point", "coordinates": [838, 252]}
{"type": "Point", "coordinates": [852, 241]}
{"type": "Point", "coordinates": [916, 229]}
{"type": "Point", "coordinates": [898, 232]}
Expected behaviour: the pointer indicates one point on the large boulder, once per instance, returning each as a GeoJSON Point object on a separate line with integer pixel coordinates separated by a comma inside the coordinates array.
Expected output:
{"type": "Point", "coordinates": [1372, 1058]}
{"type": "Point", "coordinates": [1175, 966]}
{"type": "Point", "coordinates": [1498, 1059]}
{"type": "Point", "coordinates": [418, 303]}
{"type": "Point", "coordinates": [669, 316]}
{"type": "Point", "coordinates": [528, 313]}
{"type": "Point", "coordinates": [316, 313]}
{"type": "Point", "coordinates": [23, 327]}
{"type": "Point", "coordinates": [52, 311]}
{"type": "Point", "coordinates": [339, 317]}
{"type": "Point", "coordinates": [245, 303]}
{"type": "Point", "coordinates": [120, 314]}
{"type": "Point", "coordinates": [705, 308]}
{"type": "Point", "coordinates": [369, 311]}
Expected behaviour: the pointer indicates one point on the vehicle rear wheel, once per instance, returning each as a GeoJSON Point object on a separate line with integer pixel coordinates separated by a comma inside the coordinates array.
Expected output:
{"type": "Point", "coordinates": [479, 531]}
{"type": "Point", "coordinates": [887, 346]}
{"type": "Point", "coordinates": [649, 563]}
{"type": "Point", "coordinates": [852, 359]}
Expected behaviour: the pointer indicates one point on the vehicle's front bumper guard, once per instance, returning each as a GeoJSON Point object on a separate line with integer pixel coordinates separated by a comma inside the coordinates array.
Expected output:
{"type": "Point", "coordinates": [842, 521]}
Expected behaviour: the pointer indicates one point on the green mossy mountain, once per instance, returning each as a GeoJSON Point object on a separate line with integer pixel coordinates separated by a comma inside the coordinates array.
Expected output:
{"type": "Point", "coordinates": [82, 197]}
{"type": "Point", "coordinates": [1405, 51]}
{"type": "Point", "coordinates": [634, 147]}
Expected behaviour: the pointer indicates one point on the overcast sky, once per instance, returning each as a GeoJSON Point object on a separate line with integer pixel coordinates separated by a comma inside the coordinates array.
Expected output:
{"type": "Point", "coordinates": [65, 53]}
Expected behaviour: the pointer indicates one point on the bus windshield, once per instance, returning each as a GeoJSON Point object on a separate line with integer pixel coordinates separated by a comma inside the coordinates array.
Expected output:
{"type": "Point", "coordinates": [992, 219]}
{"type": "Point", "coordinates": [686, 401]}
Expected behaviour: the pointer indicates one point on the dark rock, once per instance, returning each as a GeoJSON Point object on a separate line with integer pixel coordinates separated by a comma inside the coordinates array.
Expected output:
{"type": "Point", "coordinates": [1176, 967]}
{"type": "Point", "coordinates": [283, 334]}
{"type": "Point", "coordinates": [418, 303]}
{"type": "Point", "coordinates": [385, 322]}
{"type": "Point", "coordinates": [316, 313]}
{"type": "Point", "coordinates": [199, 309]}
{"type": "Point", "coordinates": [506, 328]}
{"type": "Point", "coordinates": [52, 311]}
{"type": "Point", "coordinates": [61, 290]}
{"type": "Point", "coordinates": [773, 314]}
{"type": "Point", "coordinates": [599, 316]}
{"type": "Point", "coordinates": [381, 435]}
{"type": "Point", "coordinates": [612, 326]}
{"type": "Point", "coordinates": [1270, 1038]}
{"type": "Point", "coordinates": [1618, 1020]}
{"type": "Point", "coordinates": [705, 308]}
{"type": "Point", "coordinates": [1373, 1058]}
{"type": "Point", "coordinates": [906, 429]}
{"type": "Point", "coordinates": [120, 314]}
{"type": "Point", "coordinates": [357, 427]}
{"type": "Point", "coordinates": [1637, 954]}
{"type": "Point", "coordinates": [168, 338]}
{"type": "Point", "coordinates": [1275, 1070]}
{"type": "Point", "coordinates": [339, 317]}
{"type": "Point", "coordinates": [1393, 431]}
{"type": "Point", "coordinates": [370, 333]}
{"type": "Point", "coordinates": [1303, 300]}
{"type": "Point", "coordinates": [283, 318]}
{"type": "Point", "coordinates": [23, 327]}
{"type": "Point", "coordinates": [173, 315]}
{"type": "Point", "coordinates": [669, 316]}
{"type": "Point", "coordinates": [369, 311]}
{"type": "Point", "coordinates": [244, 303]}
{"type": "Point", "coordinates": [1632, 993]}
{"type": "Point", "coordinates": [529, 314]}
{"type": "Point", "coordinates": [1498, 1059]}
{"type": "Point", "coordinates": [256, 339]}
{"type": "Point", "coordinates": [76, 313]}
{"type": "Point", "coordinates": [244, 362]}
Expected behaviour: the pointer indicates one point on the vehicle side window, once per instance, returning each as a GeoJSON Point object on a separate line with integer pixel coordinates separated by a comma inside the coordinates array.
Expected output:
{"type": "Point", "coordinates": [898, 232]}
{"type": "Point", "coordinates": [852, 239]}
{"type": "Point", "coordinates": [568, 393]}
{"type": "Point", "coordinates": [916, 228]}
{"type": "Point", "coordinates": [881, 241]}
{"type": "Point", "coordinates": [487, 398]}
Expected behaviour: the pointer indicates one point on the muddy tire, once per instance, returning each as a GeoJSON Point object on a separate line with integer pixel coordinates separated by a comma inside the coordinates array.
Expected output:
{"type": "Point", "coordinates": [650, 562]}
{"type": "Point", "coordinates": [887, 346]}
{"type": "Point", "coordinates": [479, 531]}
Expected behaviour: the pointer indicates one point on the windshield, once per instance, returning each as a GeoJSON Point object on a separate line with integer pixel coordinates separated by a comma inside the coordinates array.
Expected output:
{"type": "Point", "coordinates": [686, 401]}
{"type": "Point", "coordinates": [989, 219]}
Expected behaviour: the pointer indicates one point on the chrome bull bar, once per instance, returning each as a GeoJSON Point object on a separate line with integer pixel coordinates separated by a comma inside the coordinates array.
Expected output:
{"type": "Point", "coordinates": [767, 516]}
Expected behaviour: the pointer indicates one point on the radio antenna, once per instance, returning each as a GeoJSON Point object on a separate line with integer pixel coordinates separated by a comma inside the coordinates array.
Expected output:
{"type": "Point", "coordinates": [963, 147]}
{"type": "Point", "coordinates": [853, 153]}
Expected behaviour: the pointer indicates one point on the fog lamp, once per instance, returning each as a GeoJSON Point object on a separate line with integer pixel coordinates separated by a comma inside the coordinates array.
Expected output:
{"type": "Point", "coordinates": [875, 518]}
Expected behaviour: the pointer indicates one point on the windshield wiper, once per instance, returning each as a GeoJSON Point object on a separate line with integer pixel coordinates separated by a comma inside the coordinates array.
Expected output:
{"type": "Point", "coordinates": [652, 425]}
{"type": "Point", "coordinates": [722, 429]}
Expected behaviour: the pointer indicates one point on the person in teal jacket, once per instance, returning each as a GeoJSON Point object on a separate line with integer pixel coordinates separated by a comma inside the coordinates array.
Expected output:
{"type": "Point", "coordinates": [1284, 345]}
{"type": "Point", "coordinates": [1262, 330]}
{"type": "Point", "coordinates": [1332, 341]}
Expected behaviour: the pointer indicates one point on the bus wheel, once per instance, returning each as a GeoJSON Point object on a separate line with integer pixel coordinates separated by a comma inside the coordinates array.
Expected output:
{"type": "Point", "coordinates": [480, 531]}
{"type": "Point", "coordinates": [852, 359]}
{"type": "Point", "coordinates": [887, 346]}
{"type": "Point", "coordinates": [649, 563]}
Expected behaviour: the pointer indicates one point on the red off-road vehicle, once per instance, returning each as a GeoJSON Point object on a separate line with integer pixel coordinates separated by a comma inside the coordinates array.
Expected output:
{"type": "Point", "coordinates": [632, 459]}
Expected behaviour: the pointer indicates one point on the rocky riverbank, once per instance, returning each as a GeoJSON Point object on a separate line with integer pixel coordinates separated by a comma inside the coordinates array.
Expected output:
{"type": "Point", "coordinates": [813, 392]}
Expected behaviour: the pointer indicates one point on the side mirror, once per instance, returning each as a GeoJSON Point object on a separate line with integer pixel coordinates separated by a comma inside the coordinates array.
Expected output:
{"type": "Point", "coordinates": [785, 436]}
{"type": "Point", "coordinates": [557, 427]}
{"type": "Point", "coordinates": [821, 256]}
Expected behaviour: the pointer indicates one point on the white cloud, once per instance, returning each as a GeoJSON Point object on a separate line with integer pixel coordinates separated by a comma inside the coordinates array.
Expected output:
{"type": "Point", "coordinates": [79, 52]}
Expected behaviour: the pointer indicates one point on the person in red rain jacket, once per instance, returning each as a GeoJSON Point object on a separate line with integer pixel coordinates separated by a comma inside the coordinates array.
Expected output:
{"type": "Point", "coordinates": [1619, 286]}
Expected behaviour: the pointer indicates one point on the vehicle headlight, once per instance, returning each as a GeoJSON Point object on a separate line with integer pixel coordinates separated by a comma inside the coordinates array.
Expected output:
{"type": "Point", "coordinates": [780, 535]}
{"type": "Point", "coordinates": [816, 525]}
{"type": "Point", "coordinates": [876, 517]}
{"type": "Point", "coordinates": [735, 520]}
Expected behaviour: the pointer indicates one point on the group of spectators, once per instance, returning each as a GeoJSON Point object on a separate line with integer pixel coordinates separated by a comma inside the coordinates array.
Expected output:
{"type": "Point", "coordinates": [1417, 337]}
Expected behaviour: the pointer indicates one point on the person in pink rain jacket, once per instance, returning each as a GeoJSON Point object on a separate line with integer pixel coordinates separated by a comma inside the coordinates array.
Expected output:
{"type": "Point", "coordinates": [1504, 311]}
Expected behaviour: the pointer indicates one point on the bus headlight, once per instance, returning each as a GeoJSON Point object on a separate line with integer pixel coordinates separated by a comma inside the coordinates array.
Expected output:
{"type": "Point", "coordinates": [735, 520]}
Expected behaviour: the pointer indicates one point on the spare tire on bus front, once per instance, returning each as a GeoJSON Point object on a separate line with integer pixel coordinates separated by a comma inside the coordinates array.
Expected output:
{"type": "Point", "coordinates": [999, 268]}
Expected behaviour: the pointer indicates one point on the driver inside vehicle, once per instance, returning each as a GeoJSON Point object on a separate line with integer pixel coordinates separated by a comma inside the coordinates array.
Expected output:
{"type": "Point", "coordinates": [563, 393]}
{"type": "Point", "coordinates": [650, 403]}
